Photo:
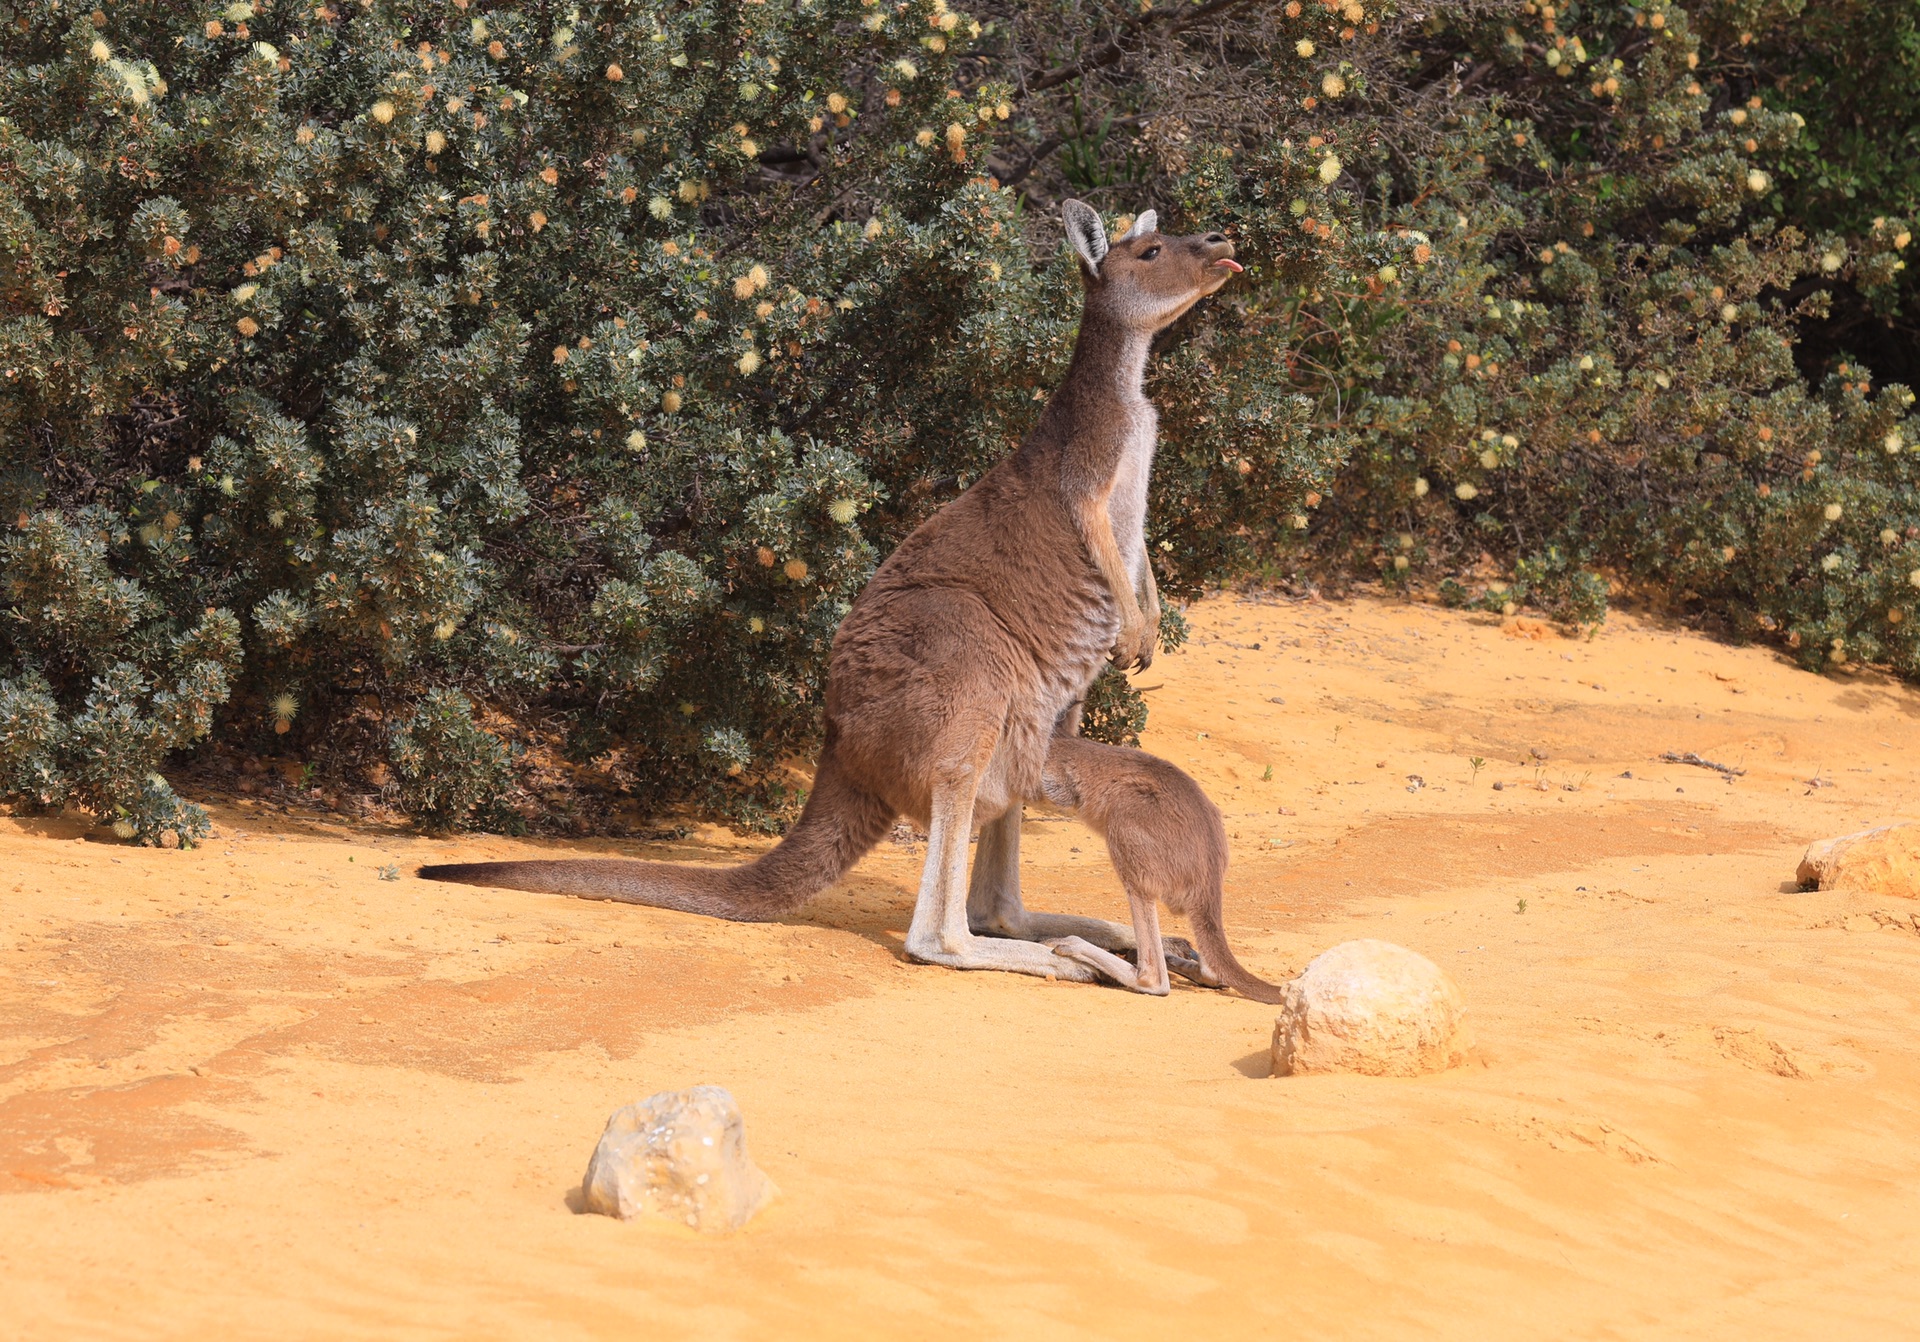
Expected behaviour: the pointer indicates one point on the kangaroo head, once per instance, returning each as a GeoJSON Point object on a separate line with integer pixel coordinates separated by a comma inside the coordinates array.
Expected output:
{"type": "Point", "coordinates": [1146, 279]}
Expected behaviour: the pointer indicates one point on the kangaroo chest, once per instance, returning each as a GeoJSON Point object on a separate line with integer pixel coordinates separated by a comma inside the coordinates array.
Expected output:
{"type": "Point", "coordinates": [1127, 504]}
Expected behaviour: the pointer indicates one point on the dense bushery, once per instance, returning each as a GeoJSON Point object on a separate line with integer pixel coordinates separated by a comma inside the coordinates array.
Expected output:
{"type": "Point", "coordinates": [417, 388]}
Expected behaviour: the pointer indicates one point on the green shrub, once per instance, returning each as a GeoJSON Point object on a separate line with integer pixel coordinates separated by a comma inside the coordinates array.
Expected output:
{"type": "Point", "coordinates": [451, 770]}
{"type": "Point", "coordinates": [580, 359]}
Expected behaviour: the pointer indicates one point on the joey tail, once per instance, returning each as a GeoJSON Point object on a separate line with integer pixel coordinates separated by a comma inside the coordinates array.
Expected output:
{"type": "Point", "coordinates": [1211, 939]}
{"type": "Point", "coordinates": [840, 823]}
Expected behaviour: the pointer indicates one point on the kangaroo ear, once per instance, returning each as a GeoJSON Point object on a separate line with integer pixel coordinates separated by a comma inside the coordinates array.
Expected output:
{"type": "Point", "coordinates": [1087, 236]}
{"type": "Point", "coordinates": [1144, 224]}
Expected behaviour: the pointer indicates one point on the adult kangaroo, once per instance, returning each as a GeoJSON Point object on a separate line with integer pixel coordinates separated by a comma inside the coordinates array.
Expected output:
{"type": "Point", "coordinates": [986, 626]}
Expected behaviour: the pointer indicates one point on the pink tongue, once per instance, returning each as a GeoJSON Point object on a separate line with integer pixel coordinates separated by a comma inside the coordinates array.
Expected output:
{"type": "Point", "coordinates": [1230, 264]}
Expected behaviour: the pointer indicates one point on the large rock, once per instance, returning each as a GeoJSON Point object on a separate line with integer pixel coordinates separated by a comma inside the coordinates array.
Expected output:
{"type": "Point", "coordinates": [1369, 1007]}
{"type": "Point", "coordinates": [1883, 861]}
{"type": "Point", "coordinates": [681, 1154]}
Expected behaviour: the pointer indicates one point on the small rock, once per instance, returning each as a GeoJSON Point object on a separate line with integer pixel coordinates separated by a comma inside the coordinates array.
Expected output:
{"type": "Point", "coordinates": [1370, 1007]}
{"type": "Point", "coordinates": [1883, 861]}
{"type": "Point", "coordinates": [682, 1155]}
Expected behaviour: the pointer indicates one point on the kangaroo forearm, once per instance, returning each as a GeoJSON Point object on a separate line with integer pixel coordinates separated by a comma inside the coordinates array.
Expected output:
{"type": "Point", "coordinates": [1096, 527]}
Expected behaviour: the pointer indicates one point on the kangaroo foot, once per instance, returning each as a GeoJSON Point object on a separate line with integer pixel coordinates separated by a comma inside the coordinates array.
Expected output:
{"type": "Point", "coordinates": [1017, 957]}
{"type": "Point", "coordinates": [1105, 963]}
{"type": "Point", "coordinates": [1023, 925]}
{"type": "Point", "coordinates": [1191, 968]}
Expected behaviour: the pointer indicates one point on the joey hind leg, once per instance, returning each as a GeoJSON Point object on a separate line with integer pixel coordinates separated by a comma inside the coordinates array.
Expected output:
{"type": "Point", "coordinates": [1148, 976]}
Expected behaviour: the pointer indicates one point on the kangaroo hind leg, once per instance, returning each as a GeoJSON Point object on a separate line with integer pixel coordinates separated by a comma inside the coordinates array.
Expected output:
{"type": "Point", "coordinates": [939, 933]}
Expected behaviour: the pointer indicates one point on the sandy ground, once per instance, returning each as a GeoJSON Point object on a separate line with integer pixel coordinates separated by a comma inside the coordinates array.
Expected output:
{"type": "Point", "coordinates": [256, 1090]}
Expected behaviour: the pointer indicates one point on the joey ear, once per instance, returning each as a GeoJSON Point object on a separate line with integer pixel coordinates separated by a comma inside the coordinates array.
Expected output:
{"type": "Point", "coordinates": [1086, 235]}
{"type": "Point", "coordinates": [1143, 224]}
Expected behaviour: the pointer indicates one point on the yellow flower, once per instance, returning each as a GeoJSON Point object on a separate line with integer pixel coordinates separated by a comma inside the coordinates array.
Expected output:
{"type": "Point", "coordinates": [245, 292]}
{"type": "Point", "coordinates": [1304, 49]}
{"type": "Point", "coordinates": [1465, 492]}
{"type": "Point", "coordinates": [382, 111]}
{"type": "Point", "coordinates": [1490, 459]}
{"type": "Point", "coordinates": [1329, 169]}
{"type": "Point", "coordinates": [248, 327]}
{"type": "Point", "coordinates": [795, 569]}
{"type": "Point", "coordinates": [1420, 488]}
{"type": "Point", "coordinates": [1332, 85]}
{"type": "Point", "coordinates": [906, 69]}
{"type": "Point", "coordinates": [1914, 578]}
{"type": "Point", "coordinates": [1893, 442]}
{"type": "Point", "coordinates": [1831, 261]}
{"type": "Point", "coordinates": [743, 287]}
{"type": "Point", "coordinates": [924, 138]}
{"type": "Point", "coordinates": [436, 142]}
{"type": "Point", "coordinates": [836, 103]}
{"type": "Point", "coordinates": [1758, 182]}
{"type": "Point", "coordinates": [1729, 314]}
{"type": "Point", "coordinates": [1833, 511]}
{"type": "Point", "coordinates": [670, 402]}
{"type": "Point", "coordinates": [843, 511]}
{"type": "Point", "coordinates": [759, 275]}
{"type": "Point", "coordinates": [873, 229]}
{"type": "Point", "coordinates": [100, 51]}
{"type": "Point", "coordinates": [637, 441]}
{"type": "Point", "coordinates": [757, 625]}
{"type": "Point", "coordinates": [749, 363]}
{"type": "Point", "coordinates": [659, 207]}
{"type": "Point", "coordinates": [1889, 536]}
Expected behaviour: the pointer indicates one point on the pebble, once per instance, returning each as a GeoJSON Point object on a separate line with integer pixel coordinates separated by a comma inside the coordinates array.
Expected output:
{"type": "Point", "coordinates": [681, 1154]}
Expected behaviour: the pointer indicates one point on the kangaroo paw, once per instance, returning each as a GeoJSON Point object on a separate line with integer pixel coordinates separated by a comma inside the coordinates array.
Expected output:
{"type": "Point", "coordinates": [1192, 970]}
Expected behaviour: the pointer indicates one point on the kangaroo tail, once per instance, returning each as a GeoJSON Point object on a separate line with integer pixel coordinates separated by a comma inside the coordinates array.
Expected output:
{"type": "Point", "coordinates": [840, 823]}
{"type": "Point", "coordinates": [1211, 938]}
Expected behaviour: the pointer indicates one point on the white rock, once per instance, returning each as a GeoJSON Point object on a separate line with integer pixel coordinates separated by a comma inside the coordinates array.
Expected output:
{"type": "Point", "coordinates": [1370, 1007]}
{"type": "Point", "coordinates": [1883, 861]}
{"type": "Point", "coordinates": [682, 1155]}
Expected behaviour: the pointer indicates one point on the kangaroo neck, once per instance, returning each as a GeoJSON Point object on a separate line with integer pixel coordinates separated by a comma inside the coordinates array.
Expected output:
{"type": "Point", "coordinates": [1109, 359]}
{"type": "Point", "coordinates": [1109, 365]}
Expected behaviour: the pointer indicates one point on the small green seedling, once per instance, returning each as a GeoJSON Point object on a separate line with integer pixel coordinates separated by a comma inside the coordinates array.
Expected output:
{"type": "Point", "coordinates": [1520, 905]}
{"type": "Point", "coordinates": [1476, 763]}
{"type": "Point", "coordinates": [390, 872]}
{"type": "Point", "coordinates": [1267, 777]}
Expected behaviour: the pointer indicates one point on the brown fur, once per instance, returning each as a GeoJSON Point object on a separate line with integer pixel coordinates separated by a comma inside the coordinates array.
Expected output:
{"type": "Point", "coordinates": [948, 674]}
{"type": "Point", "coordinates": [1168, 844]}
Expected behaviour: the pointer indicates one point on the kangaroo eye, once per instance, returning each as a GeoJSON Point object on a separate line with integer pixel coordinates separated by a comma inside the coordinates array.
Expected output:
{"type": "Point", "coordinates": [1151, 252]}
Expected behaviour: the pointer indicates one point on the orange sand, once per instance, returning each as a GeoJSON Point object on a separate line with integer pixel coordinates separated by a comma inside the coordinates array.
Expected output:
{"type": "Point", "coordinates": [256, 1091]}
